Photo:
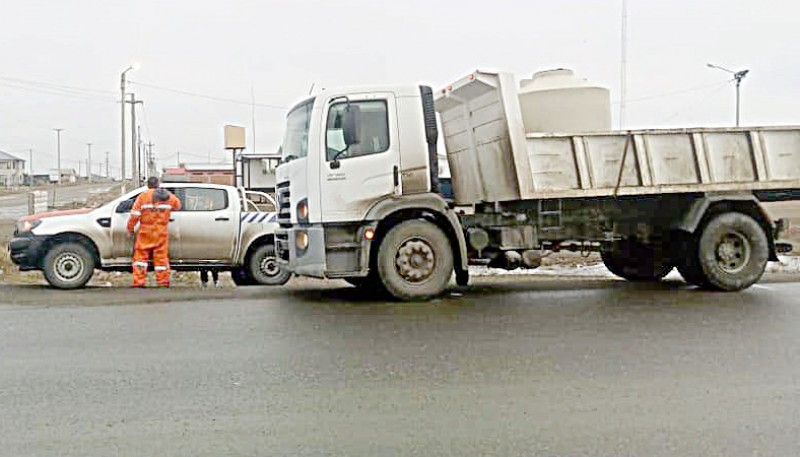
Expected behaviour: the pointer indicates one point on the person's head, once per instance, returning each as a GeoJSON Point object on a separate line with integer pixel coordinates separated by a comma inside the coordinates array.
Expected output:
{"type": "Point", "coordinates": [152, 182]}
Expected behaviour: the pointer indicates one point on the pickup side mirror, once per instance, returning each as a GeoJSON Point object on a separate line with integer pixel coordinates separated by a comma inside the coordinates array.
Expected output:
{"type": "Point", "coordinates": [351, 125]}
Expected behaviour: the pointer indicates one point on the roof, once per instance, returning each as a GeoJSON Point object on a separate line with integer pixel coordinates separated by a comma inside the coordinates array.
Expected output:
{"type": "Point", "coordinates": [4, 156]}
{"type": "Point", "coordinates": [189, 167]}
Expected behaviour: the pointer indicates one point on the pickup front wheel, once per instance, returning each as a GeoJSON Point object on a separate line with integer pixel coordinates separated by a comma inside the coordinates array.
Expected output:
{"type": "Point", "coordinates": [68, 265]}
{"type": "Point", "coordinates": [264, 269]}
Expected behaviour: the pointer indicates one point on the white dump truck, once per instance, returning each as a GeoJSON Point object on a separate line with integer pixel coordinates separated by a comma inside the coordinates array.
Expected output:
{"type": "Point", "coordinates": [219, 227]}
{"type": "Point", "coordinates": [360, 197]}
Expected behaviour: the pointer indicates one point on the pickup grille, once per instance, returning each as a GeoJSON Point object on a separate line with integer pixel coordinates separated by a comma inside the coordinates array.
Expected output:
{"type": "Point", "coordinates": [284, 204]}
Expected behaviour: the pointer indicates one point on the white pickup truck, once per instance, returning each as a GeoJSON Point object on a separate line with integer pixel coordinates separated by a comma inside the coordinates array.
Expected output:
{"type": "Point", "coordinates": [219, 228]}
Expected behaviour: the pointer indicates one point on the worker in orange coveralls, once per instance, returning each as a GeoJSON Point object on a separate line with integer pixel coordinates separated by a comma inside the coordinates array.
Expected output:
{"type": "Point", "coordinates": [152, 211]}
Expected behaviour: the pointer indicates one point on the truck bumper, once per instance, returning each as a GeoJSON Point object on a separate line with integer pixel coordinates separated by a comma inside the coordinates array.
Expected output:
{"type": "Point", "coordinates": [27, 251]}
{"type": "Point", "coordinates": [304, 262]}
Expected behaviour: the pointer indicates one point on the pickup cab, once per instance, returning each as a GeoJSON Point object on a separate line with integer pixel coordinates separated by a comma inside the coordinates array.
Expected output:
{"type": "Point", "coordinates": [219, 228]}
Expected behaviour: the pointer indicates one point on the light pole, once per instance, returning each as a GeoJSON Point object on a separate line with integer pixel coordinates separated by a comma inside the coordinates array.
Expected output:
{"type": "Point", "coordinates": [58, 164]}
{"type": "Point", "coordinates": [738, 76]}
{"type": "Point", "coordinates": [89, 163]}
{"type": "Point", "coordinates": [134, 66]}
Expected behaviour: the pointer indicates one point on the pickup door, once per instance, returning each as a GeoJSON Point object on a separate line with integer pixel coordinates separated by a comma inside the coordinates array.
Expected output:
{"type": "Point", "coordinates": [209, 224]}
{"type": "Point", "coordinates": [122, 242]}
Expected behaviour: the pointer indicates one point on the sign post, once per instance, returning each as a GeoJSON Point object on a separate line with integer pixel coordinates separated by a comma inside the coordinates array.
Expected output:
{"type": "Point", "coordinates": [235, 141]}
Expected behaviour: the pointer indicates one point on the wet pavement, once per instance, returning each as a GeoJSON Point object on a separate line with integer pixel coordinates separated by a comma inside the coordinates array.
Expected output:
{"type": "Point", "coordinates": [508, 367]}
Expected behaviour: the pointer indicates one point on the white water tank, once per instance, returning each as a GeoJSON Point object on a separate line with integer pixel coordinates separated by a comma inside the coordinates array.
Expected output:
{"type": "Point", "coordinates": [559, 101]}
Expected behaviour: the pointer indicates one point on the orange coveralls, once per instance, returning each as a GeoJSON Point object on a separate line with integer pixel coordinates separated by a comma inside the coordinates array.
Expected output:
{"type": "Point", "coordinates": [153, 236]}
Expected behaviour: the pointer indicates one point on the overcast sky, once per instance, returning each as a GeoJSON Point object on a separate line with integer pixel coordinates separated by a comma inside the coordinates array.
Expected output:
{"type": "Point", "coordinates": [275, 50]}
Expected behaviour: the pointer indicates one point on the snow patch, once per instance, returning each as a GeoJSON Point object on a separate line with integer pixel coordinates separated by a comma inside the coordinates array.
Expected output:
{"type": "Point", "coordinates": [785, 265]}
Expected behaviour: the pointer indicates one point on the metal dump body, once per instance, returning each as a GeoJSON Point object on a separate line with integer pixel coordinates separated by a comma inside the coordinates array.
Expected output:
{"type": "Point", "coordinates": [492, 159]}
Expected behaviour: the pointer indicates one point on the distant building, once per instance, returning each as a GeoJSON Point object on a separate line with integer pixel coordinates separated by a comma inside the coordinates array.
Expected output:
{"type": "Point", "coordinates": [12, 170]}
{"type": "Point", "coordinates": [212, 173]}
{"type": "Point", "coordinates": [68, 175]}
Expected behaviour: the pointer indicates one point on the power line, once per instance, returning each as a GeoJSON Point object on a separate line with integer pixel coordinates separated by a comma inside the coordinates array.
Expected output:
{"type": "Point", "coordinates": [678, 92]}
{"type": "Point", "coordinates": [58, 86]}
{"type": "Point", "coordinates": [59, 92]}
{"type": "Point", "coordinates": [209, 97]}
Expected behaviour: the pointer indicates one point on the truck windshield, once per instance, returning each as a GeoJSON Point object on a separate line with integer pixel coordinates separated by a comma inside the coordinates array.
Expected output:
{"type": "Point", "coordinates": [295, 140]}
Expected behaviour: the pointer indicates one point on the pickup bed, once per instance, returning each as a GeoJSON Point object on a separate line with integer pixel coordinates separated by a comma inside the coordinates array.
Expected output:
{"type": "Point", "coordinates": [219, 228]}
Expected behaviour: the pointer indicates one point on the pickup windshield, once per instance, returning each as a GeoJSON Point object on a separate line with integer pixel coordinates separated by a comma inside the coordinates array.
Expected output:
{"type": "Point", "coordinates": [295, 141]}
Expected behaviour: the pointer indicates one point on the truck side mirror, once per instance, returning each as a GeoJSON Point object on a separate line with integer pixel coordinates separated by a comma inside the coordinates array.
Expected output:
{"type": "Point", "coordinates": [351, 125]}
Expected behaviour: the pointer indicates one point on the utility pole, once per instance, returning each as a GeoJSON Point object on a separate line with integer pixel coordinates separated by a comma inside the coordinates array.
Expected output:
{"type": "Point", "coordinates": [179, 159]}
{"type": "Point", "coordinates": [134, 162]}
{"type": "Point", "coordinates": [738, 76]}
{"type": "Point", "coordinates": [151, 163]}
{"type": "Point", "coordinates": [89, 162]}
{"type": "Point", "coordinates": [58, 164]}
{"type": "Point", "coordinates": [139, 151]}
{"type": "Point", "coordinates": [623, 72]}
{"type": "Point", "coordinates": [122, 121]}
{"type": "Point", "coordinates": [107, 175]}
{"type": "Point", "coordinates": [30, 168]}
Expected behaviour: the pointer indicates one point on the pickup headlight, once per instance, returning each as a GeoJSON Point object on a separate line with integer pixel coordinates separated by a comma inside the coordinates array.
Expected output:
{"type": "Point", "coordinates": [27, 226]}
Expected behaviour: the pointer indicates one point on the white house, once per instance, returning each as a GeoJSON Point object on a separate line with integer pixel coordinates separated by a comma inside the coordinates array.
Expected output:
{"type": "Point", "coordinates": [12, 170]}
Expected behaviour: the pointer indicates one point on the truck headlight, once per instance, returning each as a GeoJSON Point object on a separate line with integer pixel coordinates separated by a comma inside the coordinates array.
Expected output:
{"type": "Point", "coordinates": [301, 240]}
{"type": "Point", "coordinates": [302, 212]}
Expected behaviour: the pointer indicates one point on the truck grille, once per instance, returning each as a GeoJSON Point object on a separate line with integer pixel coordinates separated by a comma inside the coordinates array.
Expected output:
{"type": "Point", "coordinates": [284, 204]}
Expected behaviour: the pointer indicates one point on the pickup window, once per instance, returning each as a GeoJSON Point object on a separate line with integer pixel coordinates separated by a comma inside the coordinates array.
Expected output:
{"type": "Point", "coordinates": [201, 199]}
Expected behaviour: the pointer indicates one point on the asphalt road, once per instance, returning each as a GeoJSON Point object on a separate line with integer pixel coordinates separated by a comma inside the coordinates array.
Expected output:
{"type": "Point", "coordinates": [512, 367]}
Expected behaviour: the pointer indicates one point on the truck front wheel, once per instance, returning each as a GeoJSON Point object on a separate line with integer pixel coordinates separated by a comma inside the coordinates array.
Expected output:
{"type": "Point", "coordinates": [733, 251]}
{"type": "Point", "coordinates": [415, 260]}
{"type": "Point", "coordinates": [636, 261]}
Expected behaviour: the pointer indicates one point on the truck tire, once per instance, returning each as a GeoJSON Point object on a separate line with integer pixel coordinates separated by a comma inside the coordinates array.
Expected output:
{"type": "Point", "coordinates": [241, 277]}
{"type": "Point", "coordinates": [68, 265]}
{"type": "Point", "coordinates": [415, 260]}
{"type": "Point", "coordinates": [637, 262]}
{"type": "Point", "coordinates": [688, 262]}
{"type": "Point", "coordinates": [733, 251]}
{"type": "Point", "coordinates": [263, 267]}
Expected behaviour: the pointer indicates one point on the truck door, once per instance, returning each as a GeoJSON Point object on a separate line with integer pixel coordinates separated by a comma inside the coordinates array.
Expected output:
{"type": "Point", "coordinates": [209, 224]}
{"type": "Point", "coordinates": [354, 177]}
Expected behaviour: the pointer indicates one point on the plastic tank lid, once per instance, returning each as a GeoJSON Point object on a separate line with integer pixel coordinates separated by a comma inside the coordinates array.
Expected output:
{"type": "Point", "coordinates": [559, 78]}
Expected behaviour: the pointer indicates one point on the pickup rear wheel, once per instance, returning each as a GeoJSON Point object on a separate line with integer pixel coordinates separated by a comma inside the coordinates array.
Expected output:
{"type": "Point", "coordinates": [68, 265]}
{"type": "Point", "coordinates": [241, 277]}
{"type": "Point", "coordinates": [733, 251]}
{"type": "Point", "coordinates": [264, 269]}
{"type": "Point", "coordinates": [415, 260]}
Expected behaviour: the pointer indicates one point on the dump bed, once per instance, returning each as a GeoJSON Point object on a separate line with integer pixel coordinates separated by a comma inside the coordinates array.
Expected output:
{"type": "Point", "coordinates": [492, 159]}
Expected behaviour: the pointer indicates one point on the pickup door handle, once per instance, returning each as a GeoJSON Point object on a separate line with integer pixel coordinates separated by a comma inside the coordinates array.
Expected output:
{"type": "Point", "coordinates": [222, 219]}
{"type": "Point", "coordinates": [172, 219]}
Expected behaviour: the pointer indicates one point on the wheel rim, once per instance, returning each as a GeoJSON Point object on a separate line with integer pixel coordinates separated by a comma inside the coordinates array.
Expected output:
{"type": "Point", "coordinates": [733, 252]}
{"type": "Point", "coordinates": [68, 266]}
{"type": "Point", "coordinates": [269, 266]}
{"type": "Point", "coordinates": [415, 260]}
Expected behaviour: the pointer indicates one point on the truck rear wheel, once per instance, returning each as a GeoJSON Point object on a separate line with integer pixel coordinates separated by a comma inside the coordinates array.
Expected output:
{"type": "Point", "coordinates": [688, 261]}
{"type": "Point", "coordinates": [415, 260]}
{"type": "Point", "coordinates": [264, 269]}
{"type": "Point", "coordinates": [733, 251]}
{"type": "Point", "coordinates": [637, 262]}
{"type": "Point", "coordinates": [241, 277]}
{"type": "Point", "coordinates": [68, 265]}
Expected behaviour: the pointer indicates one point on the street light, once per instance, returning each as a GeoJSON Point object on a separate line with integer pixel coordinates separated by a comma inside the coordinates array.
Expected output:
{"type": "Point", "coordinates": [134, 66]}
{"type": "Point", "coordinates": [738, 76]}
